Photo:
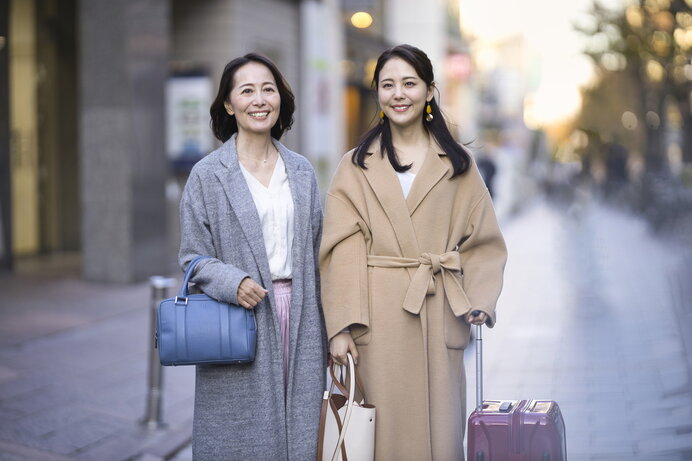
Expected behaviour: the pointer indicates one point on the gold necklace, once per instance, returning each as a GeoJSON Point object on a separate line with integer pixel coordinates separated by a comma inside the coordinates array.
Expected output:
{"type": "Point", "coordinates": [270, 150]}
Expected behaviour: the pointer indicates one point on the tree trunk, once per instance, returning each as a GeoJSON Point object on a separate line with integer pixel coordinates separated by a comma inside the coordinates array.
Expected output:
{"type": "Point", "coordinates": [686, 128]}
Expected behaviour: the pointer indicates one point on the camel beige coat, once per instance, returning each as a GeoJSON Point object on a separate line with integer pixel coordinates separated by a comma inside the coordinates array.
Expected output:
{"type": "Point", "coordinates": [402, 273]}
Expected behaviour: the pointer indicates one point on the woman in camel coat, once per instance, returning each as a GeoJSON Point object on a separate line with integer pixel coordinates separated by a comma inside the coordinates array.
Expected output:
{"type": "Point", "coordinates": [410, 247]}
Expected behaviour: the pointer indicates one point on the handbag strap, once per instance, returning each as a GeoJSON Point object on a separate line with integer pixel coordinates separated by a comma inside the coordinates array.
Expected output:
{"type": "Point", "coordinates": [349, 406]}
{"type": "Point", "coordinates": [341, 382]}
{"type": "Point", "coordinates": [339, 427]}
{"type": "Point", "coordinates": [323, 423]}
{"type": "Point", "coordinates": [327, 402]}
{"type": "Point", "coordinates": [188, 273]}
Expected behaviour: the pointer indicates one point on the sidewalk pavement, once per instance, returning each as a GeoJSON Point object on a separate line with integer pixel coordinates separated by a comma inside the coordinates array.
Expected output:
{"type": "Point", "coordinates": [597, 315]}
{"type": "Point", "coordinates": [73, 373]}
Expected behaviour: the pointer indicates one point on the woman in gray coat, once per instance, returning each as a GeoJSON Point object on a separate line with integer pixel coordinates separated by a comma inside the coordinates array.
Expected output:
{"type": "Point", "coordinates": [254, 207]}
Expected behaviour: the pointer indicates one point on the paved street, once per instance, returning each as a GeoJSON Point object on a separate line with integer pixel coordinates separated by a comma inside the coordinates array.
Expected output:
{"type": "Point", "coordinates": [595, 314]}
{"type": "Point", "coordinates": [73, 373]}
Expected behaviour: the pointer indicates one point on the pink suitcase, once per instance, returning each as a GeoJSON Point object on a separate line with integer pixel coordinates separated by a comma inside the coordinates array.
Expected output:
{"type": "Point", "coordinates": [513, 430]}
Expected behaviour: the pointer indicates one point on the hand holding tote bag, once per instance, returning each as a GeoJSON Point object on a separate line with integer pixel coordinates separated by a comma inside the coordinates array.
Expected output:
{"type": "Point", "coordinates": [347, 426]}
{"type": "Point", "coordinates": [197, 329]}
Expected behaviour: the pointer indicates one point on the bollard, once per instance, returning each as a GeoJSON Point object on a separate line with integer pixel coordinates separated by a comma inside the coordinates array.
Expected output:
{"type": "Point", "coordinates": [159, 291]}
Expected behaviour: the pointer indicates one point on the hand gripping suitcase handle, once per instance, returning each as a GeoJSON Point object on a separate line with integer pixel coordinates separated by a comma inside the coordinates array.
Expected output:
{"type": "Point", "coordinates": [479, 363]}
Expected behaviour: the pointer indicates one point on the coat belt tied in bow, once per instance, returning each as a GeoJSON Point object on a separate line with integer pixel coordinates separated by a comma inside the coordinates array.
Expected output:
{"type": "Point", "coordinates": [423, 280]}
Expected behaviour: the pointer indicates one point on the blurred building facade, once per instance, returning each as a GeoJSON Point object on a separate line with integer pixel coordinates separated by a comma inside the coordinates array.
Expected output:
{"type": "Point", "coordinates": [502, 81]}
{"type": "Point", "coordinates": [432, 26]}
{"type": "Point", "coordinates": [104, 107]}
{"type": "Point", "coordinates": [38, 147]}
{"type": "Point", "coordinates": [86, 158]}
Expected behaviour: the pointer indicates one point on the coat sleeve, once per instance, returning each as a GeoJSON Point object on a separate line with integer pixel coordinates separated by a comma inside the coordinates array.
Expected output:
{"type": "Point", "coordinates": [483, 257]}
{"type": "Point", "coordinates": [214, 277]}
{"type": "Point", "coordinates": [343, 267]}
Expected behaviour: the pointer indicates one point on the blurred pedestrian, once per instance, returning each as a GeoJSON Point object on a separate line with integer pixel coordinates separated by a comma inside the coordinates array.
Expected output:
{"type": "Point", "coordinates": [254, 207]}
{"type": "Point", "coordinates": [410, 248]}
{"type": "Point", "coordinates": [487, 168]}
{"type": "Point", "coordinates": [616, 156]}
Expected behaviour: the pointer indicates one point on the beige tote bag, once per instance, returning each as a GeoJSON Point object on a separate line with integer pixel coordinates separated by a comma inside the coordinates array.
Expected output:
{"type": "Point", "coordinates": [347, 426]}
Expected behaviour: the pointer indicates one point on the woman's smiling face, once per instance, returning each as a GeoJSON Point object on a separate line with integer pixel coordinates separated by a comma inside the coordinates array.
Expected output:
{"type": "Point", "coordinates": [254, 100]}
{"type": "Point", "coordinates": [402, 94]}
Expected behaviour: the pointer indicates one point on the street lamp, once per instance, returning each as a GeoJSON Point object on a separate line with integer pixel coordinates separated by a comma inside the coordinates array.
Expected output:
{"type": "Point", "coordinates": [361, 20]}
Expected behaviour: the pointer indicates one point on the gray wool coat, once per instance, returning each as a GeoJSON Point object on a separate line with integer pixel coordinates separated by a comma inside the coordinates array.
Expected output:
{"type": "Point", "coordinates": [242, 412]}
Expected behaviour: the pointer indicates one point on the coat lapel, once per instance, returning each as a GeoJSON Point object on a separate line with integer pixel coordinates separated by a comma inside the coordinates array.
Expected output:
{"type": "Point", "coordinates": [240, 198]}
{"type": "Point", "coordinates": [299, 181]}
{"type": "Point", "coordinates": [432, 171]}
{"type": "Point", "coordinates": [383, 181]}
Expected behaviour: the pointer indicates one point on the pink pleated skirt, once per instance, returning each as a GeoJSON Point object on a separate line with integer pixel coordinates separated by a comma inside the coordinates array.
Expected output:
{"type": "Point", "coordinates": [282, 295]}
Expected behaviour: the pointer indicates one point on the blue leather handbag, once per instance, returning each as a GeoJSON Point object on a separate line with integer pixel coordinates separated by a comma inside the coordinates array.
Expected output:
{"type": "Point", "coordinates": [194, 329]}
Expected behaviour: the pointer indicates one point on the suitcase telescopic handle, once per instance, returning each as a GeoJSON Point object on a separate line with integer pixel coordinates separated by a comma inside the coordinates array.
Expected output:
{"type": "Point", "coordinates": [479, 362]}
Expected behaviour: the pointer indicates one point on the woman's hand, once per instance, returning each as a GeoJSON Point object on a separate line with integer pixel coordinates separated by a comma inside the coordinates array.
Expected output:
{"type": "Point", "coordinates": [478, 319]}
{"type": "Point", "coordinates": [250, 293]}
{"type": "Point", "coordinates": [340, 345]}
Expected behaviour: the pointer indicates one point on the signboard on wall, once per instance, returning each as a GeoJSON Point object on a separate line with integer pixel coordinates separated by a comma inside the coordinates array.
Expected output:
{"type": "Point", "coordinates": [188, 134]}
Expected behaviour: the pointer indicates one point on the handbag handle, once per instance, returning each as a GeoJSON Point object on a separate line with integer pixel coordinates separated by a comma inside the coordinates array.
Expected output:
{"type": "Point", "coordinates": [182, 294]}
{"type": "Point", "coordinates": [341, 382]}
{"type": "Point", "coordinates": [349, 405]}
{"type": "Point", "coordinates": [326, 404]}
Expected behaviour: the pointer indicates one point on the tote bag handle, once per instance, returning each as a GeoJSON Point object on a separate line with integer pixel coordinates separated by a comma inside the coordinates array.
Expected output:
{"type": "Point", "coordinates": [349, 405]}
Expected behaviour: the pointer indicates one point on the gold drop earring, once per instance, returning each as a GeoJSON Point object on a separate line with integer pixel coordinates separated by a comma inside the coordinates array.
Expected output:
{"type": "Point", "coordinates": [428, 111]}
{"type": "Point", "coordinates": [381, 116]}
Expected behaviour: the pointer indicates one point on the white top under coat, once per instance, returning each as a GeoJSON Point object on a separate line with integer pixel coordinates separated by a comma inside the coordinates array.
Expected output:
{"type": "Point", "coordinates": [406, 180]}
{"type": "Point", "coordinates": [275, 208]}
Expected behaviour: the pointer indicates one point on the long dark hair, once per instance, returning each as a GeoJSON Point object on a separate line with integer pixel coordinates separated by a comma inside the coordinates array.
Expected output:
{"type": "Point", "coordinates": [437, 127]}
{"type": "Point", "coordinates": [224, 125]}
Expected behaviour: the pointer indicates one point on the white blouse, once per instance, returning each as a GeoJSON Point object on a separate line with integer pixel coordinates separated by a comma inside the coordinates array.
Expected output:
{"type": "Point", "coordinates": [406, 180]}
{"type": "Point", "coordinates": [275, 208]}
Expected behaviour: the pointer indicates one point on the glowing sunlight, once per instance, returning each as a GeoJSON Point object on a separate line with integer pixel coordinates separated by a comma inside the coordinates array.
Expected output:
{"type": "Point", "coordinates": [554, 68]}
